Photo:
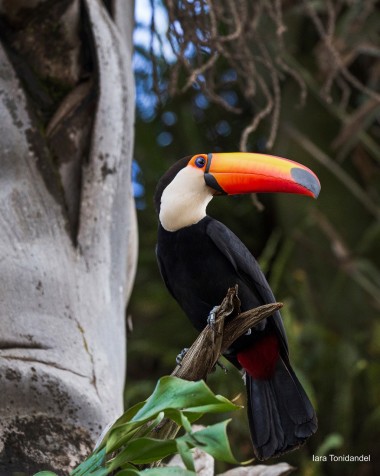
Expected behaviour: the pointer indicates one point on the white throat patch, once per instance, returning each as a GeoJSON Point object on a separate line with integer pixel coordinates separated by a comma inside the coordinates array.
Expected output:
{"type": "Point", "coordinates": [184, 200]}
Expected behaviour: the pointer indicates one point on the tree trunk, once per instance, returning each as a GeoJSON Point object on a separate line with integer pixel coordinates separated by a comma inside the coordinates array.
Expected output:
{"type": "Point", "coordinates": [67, 226]}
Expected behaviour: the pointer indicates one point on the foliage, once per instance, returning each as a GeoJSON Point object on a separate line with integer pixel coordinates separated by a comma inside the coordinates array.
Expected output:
{"type": "Point", "coordinates": [133, 440]}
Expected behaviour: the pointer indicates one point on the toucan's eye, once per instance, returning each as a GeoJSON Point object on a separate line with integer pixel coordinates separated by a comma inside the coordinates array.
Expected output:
{"type": "Point", "coordinates": [200, 162]}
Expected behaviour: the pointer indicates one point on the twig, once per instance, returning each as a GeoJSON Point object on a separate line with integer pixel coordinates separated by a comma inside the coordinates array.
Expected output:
{"type": "Point", "coordinates": [202, 356]}
{"type": "Point", "coordinates": [206, 349]}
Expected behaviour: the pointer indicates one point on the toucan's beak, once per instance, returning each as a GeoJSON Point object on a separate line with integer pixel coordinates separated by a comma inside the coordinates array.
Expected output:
{"type": "Point", "coordinates": [236, 173]}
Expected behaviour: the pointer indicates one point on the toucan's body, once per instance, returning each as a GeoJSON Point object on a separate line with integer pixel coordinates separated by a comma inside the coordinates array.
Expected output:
{"type": "Point", "coordinates": [199, 259]}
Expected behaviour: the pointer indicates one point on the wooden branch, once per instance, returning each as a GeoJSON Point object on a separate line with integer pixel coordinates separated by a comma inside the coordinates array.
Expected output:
{"type": "Point", "coordinates": [203, 355]}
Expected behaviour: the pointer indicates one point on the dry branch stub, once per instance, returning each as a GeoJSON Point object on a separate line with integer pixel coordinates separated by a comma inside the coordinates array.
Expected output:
{"type": "Point", "coordinates": [202, 356]}
{"type": "Point", "coordinates": [214, 340]}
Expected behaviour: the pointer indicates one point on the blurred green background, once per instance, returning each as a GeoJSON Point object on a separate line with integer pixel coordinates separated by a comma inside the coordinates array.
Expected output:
{"type": "Point", "coordinates": [322, 258]}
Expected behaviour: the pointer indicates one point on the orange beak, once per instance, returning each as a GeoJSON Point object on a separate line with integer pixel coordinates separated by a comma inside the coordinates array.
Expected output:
{"type": "Point", "coordinates": [237, 173]}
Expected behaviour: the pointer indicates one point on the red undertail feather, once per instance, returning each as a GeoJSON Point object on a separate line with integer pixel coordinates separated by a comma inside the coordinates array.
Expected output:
{"type": "Point", "coordinates": [260, 359]}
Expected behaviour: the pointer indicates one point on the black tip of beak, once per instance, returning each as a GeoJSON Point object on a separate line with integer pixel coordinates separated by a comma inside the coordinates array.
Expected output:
{"type": "Point", "coordinates": [307, 180]}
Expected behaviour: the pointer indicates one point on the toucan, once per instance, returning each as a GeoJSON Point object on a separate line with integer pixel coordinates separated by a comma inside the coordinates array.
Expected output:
{"type": "Point", "coordinates": [200, 259]}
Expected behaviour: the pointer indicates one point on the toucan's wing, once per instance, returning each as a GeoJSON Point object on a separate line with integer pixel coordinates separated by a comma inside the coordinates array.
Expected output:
{"type": "Point", "coordinates": [243, 261]}
{"type": "Point", "coordinates": [246, 267]}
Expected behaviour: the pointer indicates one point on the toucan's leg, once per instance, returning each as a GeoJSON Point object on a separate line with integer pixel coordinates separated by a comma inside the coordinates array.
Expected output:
{"type": "Point", "coordinates": [212, 316]}
{"type": "Point", "coordinates": [181, 355]}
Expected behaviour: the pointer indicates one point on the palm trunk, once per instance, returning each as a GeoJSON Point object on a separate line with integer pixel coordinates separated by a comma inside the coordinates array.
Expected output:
{"type": "Point", "coordinates": [67, 226]}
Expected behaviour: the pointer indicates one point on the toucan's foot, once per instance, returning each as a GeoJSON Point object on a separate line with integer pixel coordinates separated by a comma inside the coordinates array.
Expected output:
{"type": "Point", "coordinates": [212, 317]}
{"type": "Point", "coordinates": [181, 355]}
{"type": "Point", "coordinates": [248, 333]}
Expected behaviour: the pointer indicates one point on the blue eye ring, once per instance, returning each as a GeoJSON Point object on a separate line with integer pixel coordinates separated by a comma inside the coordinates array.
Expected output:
{"type": "Point", "coordinates": [200, 162]}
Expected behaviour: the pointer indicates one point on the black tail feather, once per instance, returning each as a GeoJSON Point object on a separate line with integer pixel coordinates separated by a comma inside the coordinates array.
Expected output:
{"type": "Point", "coordinates": [281, 417]}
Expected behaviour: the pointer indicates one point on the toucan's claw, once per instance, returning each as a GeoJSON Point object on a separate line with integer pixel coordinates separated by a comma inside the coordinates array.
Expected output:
{"type": "Point", "coordinates": [181, 356]}
{"type": "Point", "coordinates": [212, 317]}
{"type": "Point", "coordinates": [248, 333]}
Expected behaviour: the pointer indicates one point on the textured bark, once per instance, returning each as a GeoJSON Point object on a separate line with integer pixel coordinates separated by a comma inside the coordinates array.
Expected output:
{"type": "Point", "coordinates": [67, 227]}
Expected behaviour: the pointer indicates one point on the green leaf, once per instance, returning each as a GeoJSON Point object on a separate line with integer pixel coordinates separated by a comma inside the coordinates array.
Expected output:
{"type": "Point", "coordinates": [152, 424]}
{"type": "Point", "coordinates": [123, 433]}
{"type": "Point", "coordinates": [144, 450]}
{"type": "Point", "coordinates": [167, 471]}
{"type": "Point", "coordinates": [185, 452]}
{"type": "Point", "coordinates": [128, 472]}
{"type": "Point", "coordinates": [45, 473]}
{"type": "Point", "coordinates": [175, 393]}
{"type": "Point", "coordinates": [180, 418]}
{"type": "Point", "coordinates": [120, 435]}
{"type": "Point", "coordinates": [129, 414]}
{"type": "Point", "coordinates": [214, 441]}
{"type": "Point", "coordinates": [125, 418]}
{"type": "Point", "coordinates": [90, 464]}
{"type": "Point", "coordinates": [99, 472]}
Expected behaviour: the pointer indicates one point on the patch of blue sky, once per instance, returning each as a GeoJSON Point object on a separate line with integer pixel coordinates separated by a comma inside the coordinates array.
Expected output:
{"type": "Point", "coordinates": [142, 33]}
{"type": "Point", "coordinates": [146, 99]}
{"type": "Point", "coordinates": [169, 118]}
{"type": "Point", "coordinates": [201, 101]}
{"type": "Point", "coordinates": [230, 97]}
{"type": "Point", "coordinates": [223, 128]}
{"type": "Point", "coordinates": [137, 186]}
{"type": "Point", "coordinates": [164, 139]}
{"type": "Point", "coordinates": [230, 75]}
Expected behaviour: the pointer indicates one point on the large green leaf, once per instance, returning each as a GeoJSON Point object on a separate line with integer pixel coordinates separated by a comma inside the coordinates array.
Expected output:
{"type": "Point", "coordinates": [99, 472]}
{"type": "Point", "coordinates": [184, 449]}
{"type": "Point", "coordinates": [144, 450]}
{"type": "Point", "coordinates": [181, 418]}
{"type": "Point", "coordinates": [214, 441]}
{"type": "Point", "coordinates": [120, 423]}
{"type": "Point", "coordinates": [120, 435]}
{"type": "Point", "coordinates": [129, 414]}
{"type": "Point", "coordinates": [128, 472]}
{"type": "Point", "coordinates": [45, 473]}
{"type": "Point", "coordinates": [90, 464]}
{"type": "Point", "coordinates": [175, 393]}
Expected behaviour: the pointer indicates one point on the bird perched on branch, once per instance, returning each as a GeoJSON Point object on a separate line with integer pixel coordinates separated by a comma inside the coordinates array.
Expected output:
{"type": "Point", "coordinates": [200, 258]}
